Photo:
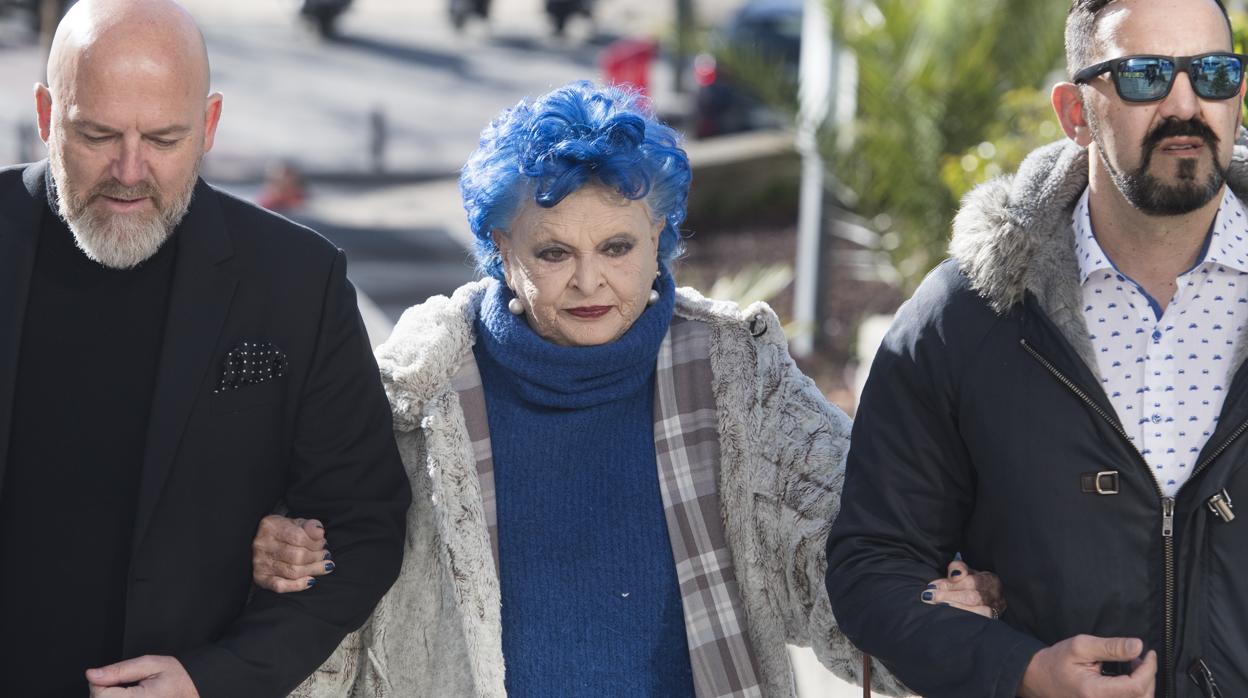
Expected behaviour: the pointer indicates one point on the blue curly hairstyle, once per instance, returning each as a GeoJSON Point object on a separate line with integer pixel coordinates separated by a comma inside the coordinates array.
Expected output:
{"type": "Point", "coordinates": [578, 134]}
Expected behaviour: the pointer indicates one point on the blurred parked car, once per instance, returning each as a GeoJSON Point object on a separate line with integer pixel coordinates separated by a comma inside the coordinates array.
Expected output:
{"type": "Point", "coordinates": [758, 48]}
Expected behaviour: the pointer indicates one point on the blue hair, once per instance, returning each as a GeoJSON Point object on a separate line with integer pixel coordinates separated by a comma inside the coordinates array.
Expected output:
{"type": "Point", "coordinates": [578, 134]}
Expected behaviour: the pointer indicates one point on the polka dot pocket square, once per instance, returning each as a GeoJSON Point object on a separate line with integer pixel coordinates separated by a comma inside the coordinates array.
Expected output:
{"type": "Point", "coordinates": [251, 363]}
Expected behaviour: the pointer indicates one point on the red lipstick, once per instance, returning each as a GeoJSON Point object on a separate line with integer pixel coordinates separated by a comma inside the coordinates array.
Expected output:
{"type": "Point", "coordinates": [590, 312]}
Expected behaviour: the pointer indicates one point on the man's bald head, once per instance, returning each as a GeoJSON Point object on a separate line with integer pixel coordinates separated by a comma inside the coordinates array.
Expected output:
{"type": "Point", "coordinates": [127, 118]}
{"type": "Point", "coordinates": [136, 36]}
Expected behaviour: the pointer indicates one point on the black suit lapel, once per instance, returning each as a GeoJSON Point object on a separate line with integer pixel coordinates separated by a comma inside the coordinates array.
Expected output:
{"type": "Point", "coordinates": [203, 287]}
{"type": "Point", "coordinates": [21, 215]}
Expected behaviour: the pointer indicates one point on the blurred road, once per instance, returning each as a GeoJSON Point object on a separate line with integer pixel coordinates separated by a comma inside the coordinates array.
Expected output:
{"type": "Point", "coordinates": [290, 95]}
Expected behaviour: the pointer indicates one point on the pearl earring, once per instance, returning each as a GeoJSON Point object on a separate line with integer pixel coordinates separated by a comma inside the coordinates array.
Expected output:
{"type": "Point", "coordinates": [515, 307]}
{"type": "Point", "coordinates": [654, 297]}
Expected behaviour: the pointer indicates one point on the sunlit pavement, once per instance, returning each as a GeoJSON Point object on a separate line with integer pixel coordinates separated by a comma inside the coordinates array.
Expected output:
{"type": "Point", "coordinates": [398, 81]}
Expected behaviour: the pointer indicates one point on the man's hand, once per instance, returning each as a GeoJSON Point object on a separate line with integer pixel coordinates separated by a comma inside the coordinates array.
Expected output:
{"type": "Point", "coordinates": [1072, 669]}
{"type": "Point", "coordinates": [152, 676]}
{"type": "Point", "coordinates": [289, 554]}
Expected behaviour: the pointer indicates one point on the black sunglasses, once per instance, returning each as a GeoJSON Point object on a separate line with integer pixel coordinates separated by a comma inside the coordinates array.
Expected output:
{"type": "Point", "coordinates": [1149, 78]}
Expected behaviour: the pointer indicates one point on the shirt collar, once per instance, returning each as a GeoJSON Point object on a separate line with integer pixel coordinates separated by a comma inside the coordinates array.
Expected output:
{"type": "Point", "coordinates": [1227, 244]}
{"type": "Point", "coordinates": [1087, 250]}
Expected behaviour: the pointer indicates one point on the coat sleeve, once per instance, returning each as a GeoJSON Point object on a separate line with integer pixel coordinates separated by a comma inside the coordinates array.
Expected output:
{"type": "Point", "coordinates": [376, 660]}
{"type": "Point", "coordinates": [340, 674]}
{"type": "Point", "coordinates": [343, 469]}
{"type": "Point", "coordinates": [909, 489]}
{"type": "Point", "coordinates": [807, 456]}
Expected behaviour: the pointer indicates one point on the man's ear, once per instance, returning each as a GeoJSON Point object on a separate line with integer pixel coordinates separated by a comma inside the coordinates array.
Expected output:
{"type": "Point", "coordinates": [212, 116]}
{"type": "Point", "coordinates": [1068, 105]}
{"type": "Point", "coordinates": [43, 110]}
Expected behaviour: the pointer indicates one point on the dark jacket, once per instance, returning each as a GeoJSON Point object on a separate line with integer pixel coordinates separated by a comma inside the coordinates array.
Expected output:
{"type": "Point", "coordinates": [982, 429]}
{"type": "Point", "coordinates": [319, 438]}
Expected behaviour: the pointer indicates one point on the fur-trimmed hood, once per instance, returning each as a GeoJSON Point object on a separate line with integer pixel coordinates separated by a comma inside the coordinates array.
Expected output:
{"type": "Point", "coordinates": [1013, 235]}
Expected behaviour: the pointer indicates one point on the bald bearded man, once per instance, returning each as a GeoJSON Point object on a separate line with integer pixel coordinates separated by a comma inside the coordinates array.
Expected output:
{"type": "Point", "coordinates": [174, 364]}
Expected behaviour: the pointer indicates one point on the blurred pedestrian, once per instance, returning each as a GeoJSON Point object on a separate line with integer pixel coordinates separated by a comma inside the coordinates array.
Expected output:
{"type": "Point", "coordinates": [174, 363]}
{"type": "Point", "coordinates": [284, 190]}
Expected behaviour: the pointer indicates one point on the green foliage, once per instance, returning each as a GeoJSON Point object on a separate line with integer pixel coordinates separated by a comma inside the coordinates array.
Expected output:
{"type": "Point", "coordinates": [1239, 26]}
{"type": "Point", "coordinates": [937, 79]}
{"type": "Point", "coordinates": [1025, 121]}
{"type": "Point", "coordinates": [754, 283]}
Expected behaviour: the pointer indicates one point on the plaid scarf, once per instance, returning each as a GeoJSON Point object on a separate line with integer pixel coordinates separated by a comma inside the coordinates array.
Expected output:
{"type": "Point", "coordinates": [687, 445]}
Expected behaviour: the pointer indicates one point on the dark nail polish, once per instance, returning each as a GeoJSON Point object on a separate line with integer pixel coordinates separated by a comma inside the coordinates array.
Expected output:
{"type": "Point", "coordinates": [312, 582]}
{"type": "Point", "coordinates": [927, 596]}
{"type": "Point", "coordinates": [329, 567]}
{"type": "Point", "coordinates": [956, 573]}
{"type": "Point", "coordinates": [328, 556]}
{"type": "Point", "coordinates": [931, 586]}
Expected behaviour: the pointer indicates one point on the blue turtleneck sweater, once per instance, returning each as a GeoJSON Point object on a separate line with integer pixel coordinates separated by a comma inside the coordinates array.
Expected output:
{"type": "Point", "coordinates": [590, 599]}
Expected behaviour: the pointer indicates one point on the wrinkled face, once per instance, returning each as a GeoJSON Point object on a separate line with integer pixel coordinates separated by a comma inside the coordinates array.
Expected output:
{"type": "Point", "coordinates": [1171, 156]}
{"type": "Point", "coordinates": [125, 136]}
{"type": "Point", "coordinates": [584, 268]}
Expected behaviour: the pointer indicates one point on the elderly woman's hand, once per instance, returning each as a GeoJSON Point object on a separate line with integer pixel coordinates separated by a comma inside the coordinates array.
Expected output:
{"type": "Point", "coordinates": [289, 554]}
{"type": "Point", "coordinates": [964, 588]}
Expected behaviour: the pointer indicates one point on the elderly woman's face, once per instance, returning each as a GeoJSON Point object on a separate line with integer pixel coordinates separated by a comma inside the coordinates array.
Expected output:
{"type": "Point", "coordinates": [583, 269]}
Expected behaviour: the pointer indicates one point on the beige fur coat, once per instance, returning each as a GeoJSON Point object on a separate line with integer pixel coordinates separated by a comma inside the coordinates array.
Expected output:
{"type": "Point", "coordinates": [437, 632]}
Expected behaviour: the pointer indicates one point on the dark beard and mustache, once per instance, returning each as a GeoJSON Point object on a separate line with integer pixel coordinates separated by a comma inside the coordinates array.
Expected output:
{"type": "Point", "coordinates": [118, 241]}
{"type": "Point", "coordinates": [1148, 193]}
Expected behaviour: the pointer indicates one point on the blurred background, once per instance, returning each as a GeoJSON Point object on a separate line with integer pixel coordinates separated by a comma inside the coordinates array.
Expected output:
{"type": "Point", "coordinates": [831, 139]}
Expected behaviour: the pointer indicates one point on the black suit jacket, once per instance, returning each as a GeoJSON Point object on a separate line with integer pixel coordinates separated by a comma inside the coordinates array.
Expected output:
{"type": "Point", "coordinates": [318, 438]}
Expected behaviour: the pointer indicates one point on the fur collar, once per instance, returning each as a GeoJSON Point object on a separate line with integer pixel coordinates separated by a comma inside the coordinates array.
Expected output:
{"type": "Point", "coordinates": [1013, 236]}
{"type": "Point", "coordinates": [432, 339]}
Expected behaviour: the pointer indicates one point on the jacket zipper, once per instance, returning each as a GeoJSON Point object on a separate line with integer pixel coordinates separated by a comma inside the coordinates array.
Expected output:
{"type": "Point", "coordinates": [1167, 508]}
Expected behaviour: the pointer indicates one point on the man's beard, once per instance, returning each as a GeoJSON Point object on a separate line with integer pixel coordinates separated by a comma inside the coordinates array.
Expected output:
{"type": "Point", "coordinates": [118, 240]}
{"type": "Point", "coordinates": [1148, 193]}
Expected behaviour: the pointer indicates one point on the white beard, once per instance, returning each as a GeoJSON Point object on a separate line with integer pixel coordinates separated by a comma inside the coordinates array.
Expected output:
{"type": "Point", "coordinates": [115, 240]}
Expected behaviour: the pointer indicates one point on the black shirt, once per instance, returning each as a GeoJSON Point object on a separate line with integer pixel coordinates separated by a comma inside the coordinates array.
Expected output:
{"type": "Point", "coordinates": [90, 344]}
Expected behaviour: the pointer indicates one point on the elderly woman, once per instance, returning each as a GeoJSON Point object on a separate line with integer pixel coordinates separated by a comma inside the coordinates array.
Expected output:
{"type": "Point", "coordinates": [620, 488]}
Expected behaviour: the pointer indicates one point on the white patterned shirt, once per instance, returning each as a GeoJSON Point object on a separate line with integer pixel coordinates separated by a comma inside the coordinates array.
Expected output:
{"type": "Point", "coordinates": [1166, 374]}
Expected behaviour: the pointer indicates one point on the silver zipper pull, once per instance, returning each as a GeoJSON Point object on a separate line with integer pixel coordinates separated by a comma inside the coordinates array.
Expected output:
{"type": "Point", "coordinates": [1167, 517]}
{"type": "Point", "coordinates": [1221, 506]}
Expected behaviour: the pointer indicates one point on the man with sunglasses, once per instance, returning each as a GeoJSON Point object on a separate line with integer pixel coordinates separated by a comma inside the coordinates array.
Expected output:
{"type": "Point", "coordinates": [1064, 401]}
